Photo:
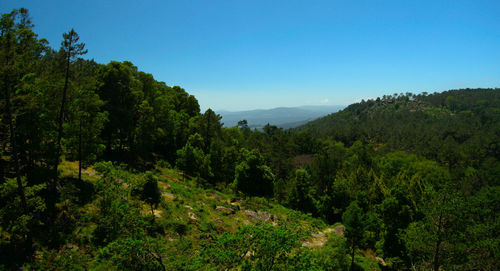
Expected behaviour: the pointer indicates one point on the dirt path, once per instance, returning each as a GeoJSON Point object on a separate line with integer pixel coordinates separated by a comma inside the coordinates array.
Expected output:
{"type": "Point", "coordinates": [319, 239]}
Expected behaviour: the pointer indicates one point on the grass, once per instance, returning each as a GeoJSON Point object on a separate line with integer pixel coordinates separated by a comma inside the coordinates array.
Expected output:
{"type": "Point", "coordinates": [187, 212]}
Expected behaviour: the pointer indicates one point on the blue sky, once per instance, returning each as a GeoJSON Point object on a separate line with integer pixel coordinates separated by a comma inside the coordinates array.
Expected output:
{"type": "Point", "coordinates": [239, 55]}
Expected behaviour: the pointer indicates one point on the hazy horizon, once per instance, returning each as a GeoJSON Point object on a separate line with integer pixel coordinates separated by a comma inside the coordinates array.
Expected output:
{"type": "Point", "coordinates": [279, 107]}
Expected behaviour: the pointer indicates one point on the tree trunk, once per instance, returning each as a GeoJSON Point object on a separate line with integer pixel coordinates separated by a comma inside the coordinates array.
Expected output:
{"type": "Point", "coordinates": [207, 139]}
{"type": "Point", "coordinates": [352, 256]}
{"type": "Point", "coordinates": [108, 147]}
{"type": "Point", "coordinates": [15, 156]}
{"type": "Point", "coordinates": [158, 259]}
{"type": "Point", "coordinates": [80, 151]}
{"type": "Point", "coordinates": [438, 244]}
{"type": "Point", "coordinates": [61, 114]}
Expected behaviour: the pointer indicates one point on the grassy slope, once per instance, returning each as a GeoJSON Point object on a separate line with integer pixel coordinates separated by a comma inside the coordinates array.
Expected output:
{"type": "Point", "coordinates": [188, 206]}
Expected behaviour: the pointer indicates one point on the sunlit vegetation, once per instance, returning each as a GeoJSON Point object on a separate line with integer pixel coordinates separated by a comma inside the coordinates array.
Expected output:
{"type": "Point", "coordinates": [102, 167]}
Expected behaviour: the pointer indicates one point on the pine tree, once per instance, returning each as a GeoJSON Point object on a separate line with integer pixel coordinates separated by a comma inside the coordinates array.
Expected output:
{"type": "Point", "coordinates": [71, 49]}
{"type": "Point", "coordinates": [353, 219]}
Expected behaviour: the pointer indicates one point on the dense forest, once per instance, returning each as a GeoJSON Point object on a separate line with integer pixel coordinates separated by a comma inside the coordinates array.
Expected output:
{"type": "Point", "coordinates": [104, 168]}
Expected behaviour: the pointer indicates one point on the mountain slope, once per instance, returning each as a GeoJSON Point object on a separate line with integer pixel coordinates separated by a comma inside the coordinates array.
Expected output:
{"type": "Point", "coordinates": [189, 223]}
{"type": "Point", "coordinates": [456, 127]}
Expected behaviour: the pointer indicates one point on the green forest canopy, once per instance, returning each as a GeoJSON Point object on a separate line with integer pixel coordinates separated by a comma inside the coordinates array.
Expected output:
{"type": "Point", "coordinates": [92, 156]}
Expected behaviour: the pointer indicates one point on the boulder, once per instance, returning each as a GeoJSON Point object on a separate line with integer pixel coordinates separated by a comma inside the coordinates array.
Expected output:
{"type": "Point", "coordinates": [192, 217]}
{"type": "Point", "coordinates": [258, 216]}
{"type": "Point", "coordinates": [215, 196]}
{"type": "Point", "coordinates": [339, 230]}
{"type": "Point", "coordinates": [168, 195]}
{"type": "Point", "coordinates": [224, 210]}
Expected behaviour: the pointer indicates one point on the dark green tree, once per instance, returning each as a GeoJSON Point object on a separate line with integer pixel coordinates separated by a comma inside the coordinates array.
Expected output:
{"type": "Point", "coordinates": [435, 241]}
{"type": "Point", "coordinates": [252, 176]}
{"type": "Point", "coordinates": [147, 189]}
{"type": "Point", "coordinates": [70, 49]}
{"type": "Point", "coordinates": [243, 124]}
{"type": "Point", "coordinates": [300, 197]}
{"type": "Point", "coordinates": [121, 92]}
{"type": "Point", "coordinates": [396, 213]}
{"type": "Point", "coordinates": [209, 127]}
{"type": "Point", "coordinates": [354, 222]}
{"type": "Point", "coordinates": [19, 50]}
{"type": "Point", "coordinates": [192, 160]}
{"type": "Point", "coordinates": [83, 132]}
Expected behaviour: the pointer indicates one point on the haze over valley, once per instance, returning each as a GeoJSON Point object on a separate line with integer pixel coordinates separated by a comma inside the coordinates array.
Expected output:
{"type": "Point", "coordinates": [284, 117]}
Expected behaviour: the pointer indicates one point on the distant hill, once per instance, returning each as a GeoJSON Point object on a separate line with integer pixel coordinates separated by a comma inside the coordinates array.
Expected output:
{"type": "Point", "coordinates": [457, 128]}
{"type": "Point", "coordinates": [285, 117]}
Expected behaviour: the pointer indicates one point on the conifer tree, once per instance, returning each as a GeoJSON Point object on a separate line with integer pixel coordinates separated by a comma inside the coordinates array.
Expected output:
{"type": "Point", "coordinates": [353, 219]}
{"type": "Point", "coordinates": [11, 40]}
{"type": "Point", "coordinates": [71, 49]}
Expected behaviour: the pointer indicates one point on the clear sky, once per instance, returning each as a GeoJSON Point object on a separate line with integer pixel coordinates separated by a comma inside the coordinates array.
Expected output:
{"type": "Point", "coordinates": [239, 55]}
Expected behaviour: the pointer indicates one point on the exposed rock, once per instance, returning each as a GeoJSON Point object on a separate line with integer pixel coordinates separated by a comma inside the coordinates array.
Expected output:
{"type": "Point", "coordinates": [168, 195]}
{"type": "Point", "coordinates": [251, 214]}
{"type": "Point", "coordinates": [192, 216]}
{"type": "Point", "coordinates": [215, 196]}
{"type": "Point", "coordinates": [164, 185]}
{"type": "Point", "coordinates": [188, 207]}
{"type": "Point", "coordinates": [258, 216]}
{"type": "Point", "coordinates": [224, 209]}
{"type": "Point", "coordinates": [265, 216]}
{"type": "Point", "coordinates": [339, 230]}
{"type": "Point", "coordinates": [237, 205]}
{"type": "Point", "coordinates": [157, 213]}
{"type": "Point", "coordinates": [380, 261]}
{"type": "Point", "coordinates": [236, 201]}
{"type": "Point", "coordinates": [328, 230]}
{"type": "Point", "coordinates": [89, 172]}
{"type": "Point", "coordinates": [319, 239]}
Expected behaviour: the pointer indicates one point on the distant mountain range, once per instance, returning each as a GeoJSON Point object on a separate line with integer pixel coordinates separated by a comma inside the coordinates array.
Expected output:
{"type": "Point", "coordinates": [284, 117]}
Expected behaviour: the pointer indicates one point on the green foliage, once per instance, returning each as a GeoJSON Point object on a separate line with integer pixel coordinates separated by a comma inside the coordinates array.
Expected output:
{"type": "Point", "coordinates": [116, 215]}
{"type": "Point", "coordinates": [13, 220]}
{"type": "Point", "coordinates": [147, 189]}
{"type": "Point", "coordinates": [132, 254]}
{"type": "Point", "coordinates": [260, 247]}
{"type": "Point", "coordinates": [14, 223]}
{"type": "Point", "coordinates": [252, 176]}
{"type": "Point", "coordinates": [82, 139]}
{"type": "Point", "coordinates": [396, 213]}
{"type": "Point", "coordinates": [334, 255]}
{"type": "Point", "coordinates": [355, 225]}
{"type": "Point", "coordinates": [482, 226]}
{"type": "Point", "coordinates": [69, 258]}
{"type": "Point", "coordinates": [413, 177]}
{"type": "Point", "coordinates": [442, 229]}
{"type": "Point", "coordinates": [455, 128]}
{"type": "Point", "coordinates": [192, 160]}
{"type": "Point", "coordinates": [300, 197]}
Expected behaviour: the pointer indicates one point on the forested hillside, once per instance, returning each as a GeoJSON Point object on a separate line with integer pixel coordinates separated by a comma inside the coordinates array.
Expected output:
{"type": "Point", "coordinates": [460, 129]}
{"type": "Point", "coordinates": [103, 167]}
